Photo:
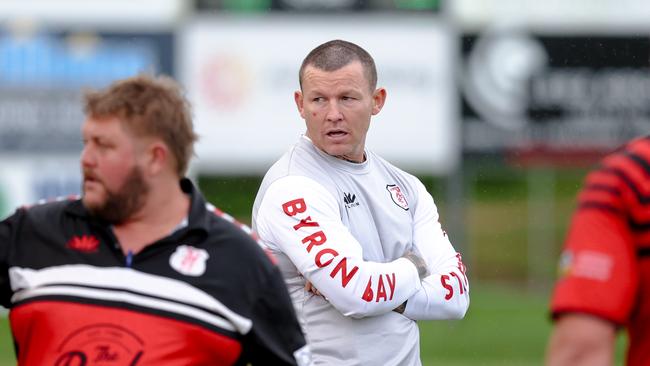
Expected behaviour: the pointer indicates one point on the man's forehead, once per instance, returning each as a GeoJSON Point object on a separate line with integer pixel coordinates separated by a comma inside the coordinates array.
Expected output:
{"type": "Point", "coordinates": [352, 65]}
{"type": "Point", "coordinates": [102, 125]}
{"type": "Point", "coordinates": [349, 75]}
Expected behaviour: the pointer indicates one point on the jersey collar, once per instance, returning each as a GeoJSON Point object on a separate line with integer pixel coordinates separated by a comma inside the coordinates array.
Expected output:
{"type": "Point", "coordinates": [337, 163]}
{"type": "Point", "coordinates": [198, 218]}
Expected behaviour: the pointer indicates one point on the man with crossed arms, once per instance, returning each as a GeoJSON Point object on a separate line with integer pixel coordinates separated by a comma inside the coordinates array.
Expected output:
{"type": "Point", "coordinates": [349, 226]}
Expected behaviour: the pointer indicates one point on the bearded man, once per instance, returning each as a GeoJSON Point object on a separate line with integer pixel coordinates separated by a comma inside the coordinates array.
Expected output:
{"type": "Point", "coordinates": [141, 270]}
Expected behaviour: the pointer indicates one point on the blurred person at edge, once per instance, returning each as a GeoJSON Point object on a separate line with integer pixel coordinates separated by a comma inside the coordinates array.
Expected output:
{"type": "Point", "coordinates": [357, 240]}
{"type": "Point", "coordinates": [141, 270]}
{"type": "Point", "coordinates": [605, 265]}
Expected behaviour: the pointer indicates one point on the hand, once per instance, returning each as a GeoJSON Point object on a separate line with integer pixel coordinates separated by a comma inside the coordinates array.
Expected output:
{"type": "Point", "coordinates": [310, 288]}
{"type": "Point", "coordinates": [419, 263]}
{"type": "Point", "coordinates": [400, 309]}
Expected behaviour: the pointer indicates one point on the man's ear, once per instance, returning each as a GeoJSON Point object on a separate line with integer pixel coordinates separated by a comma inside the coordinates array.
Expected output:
{"type": "Point", "coordinates": [157, 157]}
{"type": "Point", "coordinates": [378, 100]}
{"type": "Point", "coordinates": [298, 97]}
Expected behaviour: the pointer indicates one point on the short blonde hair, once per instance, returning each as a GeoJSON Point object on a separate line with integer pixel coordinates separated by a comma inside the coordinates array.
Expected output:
{"type": "Point", "coordinates": [335, 54]}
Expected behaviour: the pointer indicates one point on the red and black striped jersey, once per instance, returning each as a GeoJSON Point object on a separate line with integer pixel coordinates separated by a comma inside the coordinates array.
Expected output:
{"type": "Point", "coordinates": [207, 294]}
{"type": "Point", "coordinates": [605, 265]}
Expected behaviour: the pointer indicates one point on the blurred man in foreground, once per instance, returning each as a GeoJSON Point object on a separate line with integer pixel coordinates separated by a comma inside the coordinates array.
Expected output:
{"type": "Point", "coordinates": [351, 227]}
{"type": "Point", "coordinates": [141, 270]}
{"type": "Point", "coordinates": [605, 283]}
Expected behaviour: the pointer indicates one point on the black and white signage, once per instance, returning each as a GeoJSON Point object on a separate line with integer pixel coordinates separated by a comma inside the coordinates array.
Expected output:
{"type": "Point", "coordinates": [523, 91]}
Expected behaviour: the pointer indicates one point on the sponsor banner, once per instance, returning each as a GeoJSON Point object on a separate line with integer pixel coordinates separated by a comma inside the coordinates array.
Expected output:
{"type": "Point", "coordinates": [554, 95]}
{"type": "Point", "coordinates": [241, 74]}
{"type": "Point", "coordinates": [43, 73]}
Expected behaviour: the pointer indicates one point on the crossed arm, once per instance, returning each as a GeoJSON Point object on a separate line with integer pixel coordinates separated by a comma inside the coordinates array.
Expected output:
{"type": "Point", "coordinates": [445, 291]}
{"type": "Point", "coordinates": [305, 225]}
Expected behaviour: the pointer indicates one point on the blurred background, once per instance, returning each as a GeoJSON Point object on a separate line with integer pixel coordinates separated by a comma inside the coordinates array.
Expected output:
{"type": "Point", "coordinates": [499, 106]}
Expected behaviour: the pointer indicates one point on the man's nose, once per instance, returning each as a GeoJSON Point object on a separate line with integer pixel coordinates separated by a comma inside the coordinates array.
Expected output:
{"type": "Point", "coordinates": [334, 112]}
{"type": "Point", "coordinates": [87, 158]}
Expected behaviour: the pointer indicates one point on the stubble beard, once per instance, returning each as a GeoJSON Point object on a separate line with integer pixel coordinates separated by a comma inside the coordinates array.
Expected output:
{"type": "Point", "coordinates": [124, 202]}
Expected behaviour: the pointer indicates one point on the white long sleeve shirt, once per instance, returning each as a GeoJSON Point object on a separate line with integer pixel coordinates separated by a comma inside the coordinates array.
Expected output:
{"type": "Point", "coordinates": [345, 227]}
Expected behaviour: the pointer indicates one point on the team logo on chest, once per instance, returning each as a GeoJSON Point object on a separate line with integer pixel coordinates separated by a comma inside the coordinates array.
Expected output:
{"type": "Point", "coordinates": [350, 200]}
{"type": "Point", "coordinates": [397, 196]}
{"type": "Point", "coordinates": [189, 260]}
{"type": "Point", "coordinates": [83, 243]}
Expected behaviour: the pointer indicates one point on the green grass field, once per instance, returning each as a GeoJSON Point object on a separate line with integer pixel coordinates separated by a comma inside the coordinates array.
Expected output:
{"type": "Point", "coordinates": [6, 345]}
{"type": "Point", "coordinates": [503, 326]}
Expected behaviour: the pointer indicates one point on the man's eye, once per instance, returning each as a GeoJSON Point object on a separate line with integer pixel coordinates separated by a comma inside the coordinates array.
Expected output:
{"type": "Point", "coordinates": [103, 144]}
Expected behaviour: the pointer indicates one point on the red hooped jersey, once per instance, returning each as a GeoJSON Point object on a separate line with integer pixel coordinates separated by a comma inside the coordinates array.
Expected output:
{"type": "Point", "coordinates": [206, 294]}
{"type": "Point", "coordinates": [605, 266]}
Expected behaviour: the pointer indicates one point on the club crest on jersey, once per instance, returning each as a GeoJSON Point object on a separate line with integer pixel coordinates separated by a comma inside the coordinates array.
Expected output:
{"type": "Point", "coordinates": [397, 196]}
{"type": "Point", "coordinates": [189, 260]}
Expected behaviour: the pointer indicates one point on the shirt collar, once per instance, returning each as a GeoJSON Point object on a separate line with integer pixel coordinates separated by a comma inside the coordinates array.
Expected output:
{"type": "Point", "coordinates": [198, 218]}
{"type": "Point", "coordinates": [340, 164]}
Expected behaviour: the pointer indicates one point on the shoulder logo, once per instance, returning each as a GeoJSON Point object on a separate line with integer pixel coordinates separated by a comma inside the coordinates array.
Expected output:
{"type": "Point", "coordinates": [564, 264]}
{"type": "Point", "coordinates": [397, 196]}
{"type": "Point", "coordinates": [189, 260]}
{"type": "Point", "coordinates": [83, 243]}
{"type": "Point", "coordinates": [350, 200]}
